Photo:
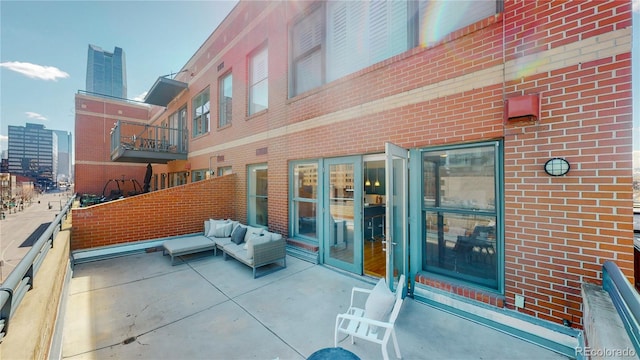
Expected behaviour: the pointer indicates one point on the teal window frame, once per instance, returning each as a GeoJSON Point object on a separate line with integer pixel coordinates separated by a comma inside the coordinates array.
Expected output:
{"type": "Point", "coordinates": [497, 212]}
{"type": "Point", "coordinates": [295, 200]}
{"type": "Point", "coordinates": [257, 196]}
{"type": "Point", "coordinates": [225, 101]}
{"type": "Point", "coordinates": [201, 113]}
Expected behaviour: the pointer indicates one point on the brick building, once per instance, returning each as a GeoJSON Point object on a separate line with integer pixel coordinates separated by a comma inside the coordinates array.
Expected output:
{"type": "Point", "coordinates": [350, 123]}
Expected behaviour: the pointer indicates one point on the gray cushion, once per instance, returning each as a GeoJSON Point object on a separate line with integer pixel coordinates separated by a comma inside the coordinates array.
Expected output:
{"type": "Point", "coordinates": [238, 235]}
{"type": "Point", "coordinates": [380, 302]}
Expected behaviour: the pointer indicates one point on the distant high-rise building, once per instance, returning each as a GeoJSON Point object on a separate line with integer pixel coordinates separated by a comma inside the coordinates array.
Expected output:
{"type": "Point", "coordinates": [64, 155]}
{"type": "Point", "coordinates": [33, 152]}
{"type": "Point", "coordinates": [106, 72]}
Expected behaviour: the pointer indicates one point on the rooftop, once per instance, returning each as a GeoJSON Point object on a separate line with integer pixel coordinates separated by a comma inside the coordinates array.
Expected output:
{"type": "Point", "coordinates": [139, 306]}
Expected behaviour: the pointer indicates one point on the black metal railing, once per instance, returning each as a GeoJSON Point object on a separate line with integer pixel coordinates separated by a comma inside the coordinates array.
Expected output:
{"type": "Point", "coordinates": [21, 279]}
{"type": "Point", "coordinates": [625, 298]}
{"type": "Point", "coordinates": [135, 136]}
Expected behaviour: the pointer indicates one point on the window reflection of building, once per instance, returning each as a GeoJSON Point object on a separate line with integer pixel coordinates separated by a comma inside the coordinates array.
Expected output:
{"type": "Point", "coordinates": [460, 216]}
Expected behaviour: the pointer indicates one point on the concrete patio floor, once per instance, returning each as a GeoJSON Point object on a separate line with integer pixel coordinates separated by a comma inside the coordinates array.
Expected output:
{"type": "Point", "coordinates": [139, 306]}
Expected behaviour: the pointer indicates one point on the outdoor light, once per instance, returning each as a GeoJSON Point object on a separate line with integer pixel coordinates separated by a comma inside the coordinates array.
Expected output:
{"type": "Point", "coordinates": [557, 167]}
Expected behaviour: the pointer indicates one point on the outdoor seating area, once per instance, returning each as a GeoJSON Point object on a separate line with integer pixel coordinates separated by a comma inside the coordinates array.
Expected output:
{"type": "Point", "coordinates": [252, 246]}
{"type": "Point", "coordinates": [139, 306]}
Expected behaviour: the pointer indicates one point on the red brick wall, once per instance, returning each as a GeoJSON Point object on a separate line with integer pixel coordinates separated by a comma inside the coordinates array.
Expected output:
{"type": "Point", "coordinates": [558, 231]}
{"type": "Point", "coordinates": [176, 211]}
{"type": "Point", "coordinates": [94, 119]}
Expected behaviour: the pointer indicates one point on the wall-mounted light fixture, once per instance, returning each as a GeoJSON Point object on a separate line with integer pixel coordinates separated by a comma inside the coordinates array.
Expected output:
{"type": "Point", "coordinates": [557, 167]}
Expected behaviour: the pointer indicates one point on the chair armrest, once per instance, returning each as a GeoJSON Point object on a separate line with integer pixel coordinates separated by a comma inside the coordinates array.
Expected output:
{"type": "Point", "coordinates": [268, 252]}
{"type": "Point", "coordinates": [364, 320]}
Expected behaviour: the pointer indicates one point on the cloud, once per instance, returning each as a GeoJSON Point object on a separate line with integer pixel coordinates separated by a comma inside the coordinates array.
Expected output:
{"type": "Point", "coordinates": [32, 115]}
{"type": "Point", "coordinates": [35, 71]}
{"type": "Point", "coordinates": [141, 96]}
{"type": "Point", "coordinates": [636, 6]}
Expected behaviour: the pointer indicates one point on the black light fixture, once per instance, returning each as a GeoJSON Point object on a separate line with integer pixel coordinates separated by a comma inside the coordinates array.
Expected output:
{"type": "Point", "coordinates": [557, 167]}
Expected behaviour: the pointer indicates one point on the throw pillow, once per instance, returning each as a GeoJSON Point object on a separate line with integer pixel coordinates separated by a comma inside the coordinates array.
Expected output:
{"type": "Point", "coordinates": [223, 230]}
{"type": "Point", "coordinates": [255, 240]}
{"type": "Point", "coordinates": [379, 303]}
{"type": "Point", "coordinates": [238, 234]}
{"type": "Point", "coordinates": [252, 231]}
{"type": "Point", "coordinates": [212, 226]}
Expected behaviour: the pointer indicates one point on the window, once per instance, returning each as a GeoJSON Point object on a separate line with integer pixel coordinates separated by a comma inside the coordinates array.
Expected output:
{"type": "Point", "coordinates": [257, 210]}
{"type": "Point", "coordinates": [342, 37]}
{"type": "Point", "coordinates": [224, 170]}
{"type": "Point", "coordinates": [226, 87]}
{"type": "Point", "coordinates": [304, 200]}
{"type": "Point", "coordinates": [200, 105]}
{"type": "Point", "coordinates": [461, 191]}
{"type": "Point", "coordinates": [307, 37]}
{"type": "Point", "coordinates": [258, 81]}
{"type": "Point", "coordinates": [197, 175]}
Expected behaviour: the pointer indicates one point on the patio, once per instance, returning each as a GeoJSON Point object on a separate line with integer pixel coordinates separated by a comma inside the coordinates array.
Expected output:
{"type": "Point", "coordinates": [139, 306]}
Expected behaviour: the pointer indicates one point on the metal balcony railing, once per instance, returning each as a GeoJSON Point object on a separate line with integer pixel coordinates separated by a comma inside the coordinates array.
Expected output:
{"type": "Point", "coordinates": [21, 279]}
{"type": "Point", "coordinates": [142, 143]}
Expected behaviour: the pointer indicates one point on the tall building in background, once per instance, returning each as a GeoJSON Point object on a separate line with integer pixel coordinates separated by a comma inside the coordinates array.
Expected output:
{"type": "Point", "coordinates": [106, 72]}
{"type": "Point", "coordinates": [33, 152]}
{"type": "Point", "coordinates": [65, 168]}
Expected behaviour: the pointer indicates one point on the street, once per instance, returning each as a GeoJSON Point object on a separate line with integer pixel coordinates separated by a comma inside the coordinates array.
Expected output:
{"type": "Point", "coordinates": [19, 230]}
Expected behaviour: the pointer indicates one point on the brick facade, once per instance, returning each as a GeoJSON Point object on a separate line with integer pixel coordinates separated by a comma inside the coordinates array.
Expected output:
{"type": "Point", "coordinates": [575, 55]}
{"type": "Point", "coordinates": [170, 212]}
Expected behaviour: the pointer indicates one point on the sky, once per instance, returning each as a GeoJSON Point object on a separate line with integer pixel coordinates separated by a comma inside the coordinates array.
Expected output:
{"type": "Point", "coordinates": [44, 44]}
{"type": "Point", "coordinates": [43, 52]}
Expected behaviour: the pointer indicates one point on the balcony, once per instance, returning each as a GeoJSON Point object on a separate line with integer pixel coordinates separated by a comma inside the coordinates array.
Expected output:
{"type": "Point", "coordinates": [142, 143]}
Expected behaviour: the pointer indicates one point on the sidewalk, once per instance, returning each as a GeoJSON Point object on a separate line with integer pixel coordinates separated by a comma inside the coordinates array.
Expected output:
{"type": "Point", "coordinates": [20, 229]}
{"type": "Point", "coordinates": [139, 306]}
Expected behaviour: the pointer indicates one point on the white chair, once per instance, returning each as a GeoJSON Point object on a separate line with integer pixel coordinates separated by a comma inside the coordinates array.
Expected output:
{"type": "Point", "coordinates": [375, 321]}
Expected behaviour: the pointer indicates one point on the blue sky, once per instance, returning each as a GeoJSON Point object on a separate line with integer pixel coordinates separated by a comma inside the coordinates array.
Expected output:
{"type": "Point", "coordinates": [43, 50]}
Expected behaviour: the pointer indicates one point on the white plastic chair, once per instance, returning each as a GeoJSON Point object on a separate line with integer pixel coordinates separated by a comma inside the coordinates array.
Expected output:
{"type": "Point", "coordinates": [355, 324]}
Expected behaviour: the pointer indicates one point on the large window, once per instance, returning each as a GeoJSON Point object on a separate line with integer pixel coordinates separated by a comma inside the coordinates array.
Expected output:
{"type": "Point", "coordinates": [258, 81]}
{"type": "Point", "coordinates": [461, 190]}
{"type": "Point", "coordinates": [224, 105]}
{"type": "Point", "coordinates": [257, 210]}
{"type": "Point", "coordinates": [341, 37]}
{"type": "Point", "coordinates": [307, 37]}
{"type": "Point", "coordinates": [304, 199]}
{"type": "Point", "coordinates": [200, 106]}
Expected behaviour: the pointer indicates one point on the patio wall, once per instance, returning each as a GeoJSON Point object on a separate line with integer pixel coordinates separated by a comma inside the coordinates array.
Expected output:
{"type": "Point", "coordinates": [175, 211]}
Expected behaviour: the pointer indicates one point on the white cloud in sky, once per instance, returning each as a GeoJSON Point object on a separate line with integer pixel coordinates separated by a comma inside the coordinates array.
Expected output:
{"type": "Point", "coordinates": [636, 5]}
{"type": "Point", "coordinates": [142, 96]}
{"type": "Point", "coordinates": [33, 115]}
{"type": "Point", "coordinates": [35, 71]}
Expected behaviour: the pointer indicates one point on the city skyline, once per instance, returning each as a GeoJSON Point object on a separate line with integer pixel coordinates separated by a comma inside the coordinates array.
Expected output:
{"type": "Point", "coordinates": [43, 63]}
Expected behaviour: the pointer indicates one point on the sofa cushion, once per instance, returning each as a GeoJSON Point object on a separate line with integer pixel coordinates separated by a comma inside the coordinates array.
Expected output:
{"type": "Point", "coordinates": [212, 226]}
{"type": "Point", "coordinates": [252, 231]}
{"type": "Point", "coordinates": [222, 230]}
{"type": "Point", "coordinates": [221, 242]}
{"type": "Point", "coordinates": [255, 240]}
{"type": "Point", "coordinates": [380, 302]}
{"type": "Point", "coordinates": [238, 235]}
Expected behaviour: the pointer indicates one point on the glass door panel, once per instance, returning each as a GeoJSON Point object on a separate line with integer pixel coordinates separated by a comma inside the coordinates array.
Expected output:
{"type": "Point", "coordinates": [396, 212]}
{"type": "Point", "coordinates": [343, 222]}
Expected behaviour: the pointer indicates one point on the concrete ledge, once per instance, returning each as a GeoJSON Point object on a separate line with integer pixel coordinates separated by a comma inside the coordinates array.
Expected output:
{"type": "Point", "coordinates": [605, 335]}
{"type": "Point", "coordinates": [561, 339]}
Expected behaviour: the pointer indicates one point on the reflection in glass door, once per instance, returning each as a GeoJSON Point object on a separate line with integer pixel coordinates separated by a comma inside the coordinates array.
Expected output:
{"type": "Point", "coordinates": [396, 211]}
{"type": "Point", "coordinates": [343, 223]}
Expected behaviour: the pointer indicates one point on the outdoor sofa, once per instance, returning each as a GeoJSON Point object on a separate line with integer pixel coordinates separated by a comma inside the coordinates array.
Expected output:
{"type": "Point", "coordinates": [252, 246]}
